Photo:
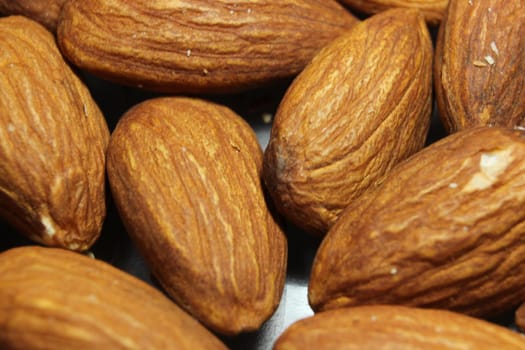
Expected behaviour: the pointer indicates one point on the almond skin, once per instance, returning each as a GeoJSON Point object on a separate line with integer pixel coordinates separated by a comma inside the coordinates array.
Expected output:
{"type": "Point", "coordinates": [362, 105]}
{"type": "Point", "coordinates": [432, 10]}
{"type": "Point", "coordinates": [480, 57]}
{"type": "Point", "coordinates": [51, 298]}
{"type": "Point", "coordinates": [396, 327]}
{"type": "Point", "coordinates": [45, 12]}
{"type": "Point", "coordinates": [198, 46]}
{"type": "Point", "coordinates": [185, 175]}
{"type": "Point", "coordinates": [53, 140]}
{"type": "Point", "coordinates": [445, 229]}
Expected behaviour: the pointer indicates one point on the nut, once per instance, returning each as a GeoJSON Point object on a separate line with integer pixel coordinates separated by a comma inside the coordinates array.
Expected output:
{"type": "Point", "coordinates": [56, 299]}
{"type": "Point", "coordinates": [479, 58]}
{"type": "Point", "coordinates": [443, 230]}
{"type": "Point", "coordinates": [185, 175]}
{"type": "Point", "coordinates": [53, 140]}
{"type": "Point", "coordinates": [396, 327]}
{"type": "Point", "coordinates": [197, 47]}
{"type": "Point", "coordinates": [362, 105]}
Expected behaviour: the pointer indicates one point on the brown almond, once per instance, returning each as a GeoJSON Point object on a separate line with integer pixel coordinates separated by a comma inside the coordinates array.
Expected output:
{"type": "Point", "coordinates": [198, 46]}
{"type": "Point", "coordinates": [432, 10]}
{"type": "Point", "coordinates": [381, 327]}
{"type": "Point", "coordinates": [45, 12]}
{"type": "Point", "coordinates": [185, 175]}
{"type": "Point", "coordinates": [443, 230]}
{"type": "Point", "coordinates": [362, 105]}
{"type": "Point", "coordinates": [52, 298]}
{"type": "Point", "coordinates": [480, 54]}
{"type": "Point", "coordinates": [53, 140]}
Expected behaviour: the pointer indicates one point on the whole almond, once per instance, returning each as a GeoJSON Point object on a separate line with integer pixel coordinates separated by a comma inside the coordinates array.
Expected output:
{"type": "Point", "coordinates": [362, 105]}
{"type": "Point", "coordinates": [53, 140]}
{"type": "Point", "coordinates": [185, 175]}
{"type": "Point", "coordinates": [479, 59]}
{"type": "Point", "coordinates": [198, 46]}
{"type": "Point", "coordinates": [52, 298]}
{"type": "Point", "coordinates": [45, 12]}
{"type": "Point", "coordinates": [396, 327]}
{"type": "Point", "coordinates": [433, 10]}
{"type": "Point", "coordinates": [445, 229]}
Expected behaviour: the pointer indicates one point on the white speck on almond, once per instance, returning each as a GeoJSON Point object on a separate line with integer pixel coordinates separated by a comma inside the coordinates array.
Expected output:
{"type": "Point", "coordinates": [10, 127]}
{"type": "Point", "coordinates": [453, 185]}
{"type": "Point", "coordinates": [489, 59]}
{"type": "Point", "coordinates": [494, 48]}
{"type": "Point", "coordinates": [49, 225]}
{"type": "Point", "coordinates": [188, 52]}
{"type": "Point", "coordinates": [491, 166]}
{"type": "Point", "coordinates": [470, 2]}
{"type": "Point", "coordinates": [393, 271]}
{"type": "Point", "coordinates": [249, 11]}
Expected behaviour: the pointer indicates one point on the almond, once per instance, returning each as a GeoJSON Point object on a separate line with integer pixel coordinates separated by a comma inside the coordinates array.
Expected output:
{"type": "Point", "coordinates": [45, 12]}
{"type": "Point", "coordinates": [198, 46]}
{"type": "Point", "coordinates": [362, 105]}
{"type": "Point", "coordinates": [185, 175]}
{"type": "Point", "coordinates": [443, 230]}
{"type": "Point", "coordinates": [53, 140]}
{"type": "Point", "coordinates": [52, 298]}
{"type": "Point", "coordinates": [479, 59]}
{"type": "Point", "coordinates": [432, 10]}
{"type": "Point", "coordinates": [396, 327]}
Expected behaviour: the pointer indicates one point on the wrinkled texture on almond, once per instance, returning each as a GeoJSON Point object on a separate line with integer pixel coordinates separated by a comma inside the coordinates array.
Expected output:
{"type": "Point", "coordinates": [480, 57]}
{"type": "Point", "coordinates": [185, 174]}
{"type": "Point", "coordinates": [198, 46]}
{"type": "Point", "coordinates": [53, 140]}
{"type": "Point", "coordinates": [361, 106]}
{"type": "Point", "coordinates": [52, 298]}
{"type": "Point", "coordinates": [432, 10]}
{"type": "Point", "coordinates": [396, 327]}
{"type": "Point", "coordinates": [45, 12]}
{"type": "Point", "coordinates": [445, 229]}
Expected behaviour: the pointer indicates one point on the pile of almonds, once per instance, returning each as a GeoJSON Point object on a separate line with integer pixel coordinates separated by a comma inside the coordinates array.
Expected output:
{"type": "Point", "coordinates": [421, 242]}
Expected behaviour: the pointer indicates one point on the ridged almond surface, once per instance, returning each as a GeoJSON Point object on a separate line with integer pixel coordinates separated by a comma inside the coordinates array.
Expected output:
{"type": "Point", "coordinates": [53, 140]}
{"type": "Point", "coordinates": [362, 105]}
{"type": "Point", "coordinates": [445, 229]}
{"type": "Point", "coordinates": [380, 327]}
{"type": "Point", "coordinates": [432, 10]}
{"type": "Point", "coordinates": [198, 46]}
{"type": "Point", "coordinates": [185, 174]}
{"type": "Point", "coordinates": [480, 59]}
{"type": "Point", "coordinates": [45, 12]}
{"type": "Point", "coordinates": [52, 298]}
